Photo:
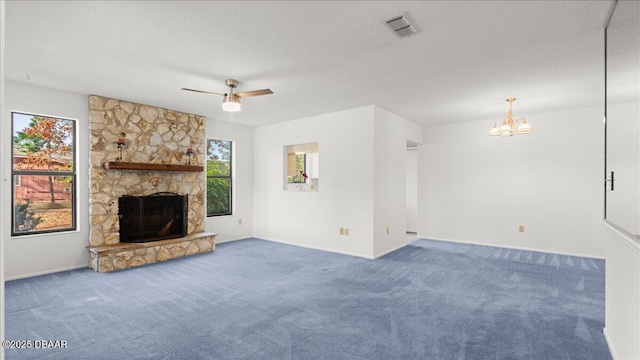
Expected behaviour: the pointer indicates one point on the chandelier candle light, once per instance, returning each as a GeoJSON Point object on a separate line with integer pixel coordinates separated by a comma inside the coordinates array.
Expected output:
{"type": "Point", "coordinates": [509, 127]}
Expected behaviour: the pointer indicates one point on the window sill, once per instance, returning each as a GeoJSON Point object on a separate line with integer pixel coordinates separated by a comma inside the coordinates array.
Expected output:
{"type": "Point", "coordinates": [301, 187]}
{"type": "Point", "coordinates": [220, 216]}
{"type": "Point", "coordinates": [53, 233]}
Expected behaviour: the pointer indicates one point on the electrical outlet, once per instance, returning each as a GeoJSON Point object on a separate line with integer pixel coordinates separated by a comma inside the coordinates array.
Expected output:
{"type": "Point", "coordinates": [521, 228]}
{"type": "Point", "coordinates": [346, 231]}
{"type": "Point", "coordinates": [239, 221]}
{"type": "Point", "coordinates": [387, 230]}
{"type": "Point", "coordinates": [341, 231]}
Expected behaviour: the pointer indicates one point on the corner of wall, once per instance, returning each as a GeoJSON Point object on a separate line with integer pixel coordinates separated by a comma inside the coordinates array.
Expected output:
{"type": "Point", "coordinates": [4, 183]}
{"type": "Point", "coordinates": [622, 291]}
{"type": "Point", "coordinates": [390, 171]}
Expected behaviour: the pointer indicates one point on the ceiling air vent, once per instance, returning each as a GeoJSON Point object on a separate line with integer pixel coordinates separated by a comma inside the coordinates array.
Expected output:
{"type": "Point", "coordinates": [402, 25]}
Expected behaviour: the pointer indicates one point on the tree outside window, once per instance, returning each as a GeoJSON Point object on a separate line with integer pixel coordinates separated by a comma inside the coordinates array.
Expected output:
{"type": "Point", "coordinates": [219, 180]}
{"type": "Point", "coordinates": [43, 174]}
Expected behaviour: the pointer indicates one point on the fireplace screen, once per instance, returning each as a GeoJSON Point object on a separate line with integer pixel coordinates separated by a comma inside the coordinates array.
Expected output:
{"type": "Point", "coordinates": [154, 217]}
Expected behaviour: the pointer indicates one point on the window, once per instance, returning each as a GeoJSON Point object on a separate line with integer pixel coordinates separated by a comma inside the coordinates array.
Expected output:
{"type": "Point", "coordinates": [299, 168]}
{"type": "Point", "coordinates": [219, 182]}
{"type": "Point", "coordinates": [43, 174]}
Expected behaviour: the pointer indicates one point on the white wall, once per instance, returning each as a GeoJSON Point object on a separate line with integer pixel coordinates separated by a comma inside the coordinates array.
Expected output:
{"type": "Point", "coordinates": [345, 197]}
{"type": "Point", "coordinates": [228, 227]}
{"type": "Point", "coordinates": [362, 156]}
{"type": "Point", "coordinates": [390, 187]}
{"type": "Point", "coordinates": [480, 188]}
{"type": "Point", "coordinates": [414, 132]}
{"type": "Point", "coordinates": [623, 157]}
{"type": "Point", "coordinates": [622, 328]}
{"type": "Point", "coordinates": [412, 190]}
{"type": "Point", "coordinates": [37, 254]}
{"type": "Point", "coordinates": [623, 253]}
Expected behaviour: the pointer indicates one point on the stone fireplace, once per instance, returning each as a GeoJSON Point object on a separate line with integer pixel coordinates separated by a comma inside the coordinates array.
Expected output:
{"type": "Point", "coordinates": [136, 151]}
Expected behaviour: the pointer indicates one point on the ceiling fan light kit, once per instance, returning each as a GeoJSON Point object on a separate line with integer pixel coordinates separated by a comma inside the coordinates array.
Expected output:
{"type": "Point", "coordinates": [509, 127]}
{"type": "Point", "coordinates": [231, 101]}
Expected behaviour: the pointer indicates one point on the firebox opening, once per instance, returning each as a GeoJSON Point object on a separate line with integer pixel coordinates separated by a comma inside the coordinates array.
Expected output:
{"type": "Point", "coordinates": [154, 217]}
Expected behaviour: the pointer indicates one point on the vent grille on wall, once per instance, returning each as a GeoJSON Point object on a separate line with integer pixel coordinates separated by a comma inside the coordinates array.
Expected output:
{"type": "Point", "coordinates": [402, 25]}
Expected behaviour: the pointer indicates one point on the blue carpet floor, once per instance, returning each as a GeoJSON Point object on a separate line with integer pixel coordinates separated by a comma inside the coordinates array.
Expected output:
{"type": "Point", "coordinates": [255, 299]}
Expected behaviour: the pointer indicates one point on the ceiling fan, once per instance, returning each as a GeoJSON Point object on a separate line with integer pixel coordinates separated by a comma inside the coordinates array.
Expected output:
{"type": "Point", "coordinates": [231, 101]}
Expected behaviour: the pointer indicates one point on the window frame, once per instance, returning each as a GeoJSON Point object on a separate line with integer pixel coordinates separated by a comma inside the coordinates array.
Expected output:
{"type": "Point", "coordinates": [228, 177]}
{"type": "Point", "coordinates": [18, 174]}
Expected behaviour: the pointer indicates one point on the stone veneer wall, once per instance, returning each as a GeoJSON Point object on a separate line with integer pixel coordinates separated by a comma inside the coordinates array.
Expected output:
{"type": "Point", "coordinates": [153, 135]}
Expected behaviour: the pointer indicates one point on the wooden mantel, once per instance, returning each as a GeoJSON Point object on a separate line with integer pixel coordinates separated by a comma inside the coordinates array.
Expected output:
{"type": "Point", "coordinates": [118, 165]}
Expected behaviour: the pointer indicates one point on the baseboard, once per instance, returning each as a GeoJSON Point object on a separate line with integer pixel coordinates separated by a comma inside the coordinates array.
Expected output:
{"type": "Point", "coordinates": [233, 239]}
{"type": "Point", "coordinates": [314, 247]}
{"type": "Point", "coordinates": [632, 242]}
{"type": "Point", "coordinates": [46, 272]}
{"type": "Point", "coordinates": [513, 247]}
{"type": "Point", "coordinates": [389, 251]}
{"type": "Point", "coordinates": [607, 339]}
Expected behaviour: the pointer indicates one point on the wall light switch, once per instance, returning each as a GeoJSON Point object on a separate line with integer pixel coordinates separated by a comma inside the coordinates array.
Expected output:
{"type": "Point", "coordinates": [387, 230]}
{"type": "Point", "coordinates": [521, 228]}
{"type": "Point", "coordinates": [239, 221]}
{"type": "Point", "coordinates": [341, 231]}
{"type": "Point", "coordinates": [346, 231]}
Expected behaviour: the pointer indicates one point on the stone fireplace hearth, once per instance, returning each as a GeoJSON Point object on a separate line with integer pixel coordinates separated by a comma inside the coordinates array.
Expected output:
{"type": "Point", "coordinates": [156, 141]}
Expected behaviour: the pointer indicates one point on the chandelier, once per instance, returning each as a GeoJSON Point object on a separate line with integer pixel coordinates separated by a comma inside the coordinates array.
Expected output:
{"type": "Point", "coordinates": [509, 127]}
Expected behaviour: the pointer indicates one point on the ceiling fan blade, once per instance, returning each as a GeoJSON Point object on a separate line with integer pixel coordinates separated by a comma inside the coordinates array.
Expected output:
{"type": "Point", "coordinates": [246, 94]}
{"type": "Point", "coordinates": [201, 91]}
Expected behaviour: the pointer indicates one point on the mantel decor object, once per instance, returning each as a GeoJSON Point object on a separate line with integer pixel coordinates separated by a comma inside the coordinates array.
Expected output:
{"type": "Point", "coordinates": [189, 153]}
{"type": "Point", "coordinates": [121, 144]}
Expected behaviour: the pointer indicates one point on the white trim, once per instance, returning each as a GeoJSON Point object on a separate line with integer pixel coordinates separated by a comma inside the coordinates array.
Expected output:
{"type": "Point", "coordinates": [513, 247]}
{"type": "Point", "coordinates": [315, 248]}
{"type": "Point", "coordinates": [389, 251]}
{"type": "Point", "coordinates": [607, 339]}
{"type": "Point", "coordinates": [46, 272]}
{"type": "Point", "coordinates": [632, 243]}
{"type": "Point", "coordinates": [232, 176]}
{"type": "Point", "coordinates": [43, 115]}
{"type": "Point", "coordinates": [231, 240]}
{"type": "Point", "coordinates": [28, 235]}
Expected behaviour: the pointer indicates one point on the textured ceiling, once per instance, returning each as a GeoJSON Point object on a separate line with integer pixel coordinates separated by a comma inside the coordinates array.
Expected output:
{"type": "Point", "coordinates": [317, 57]}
